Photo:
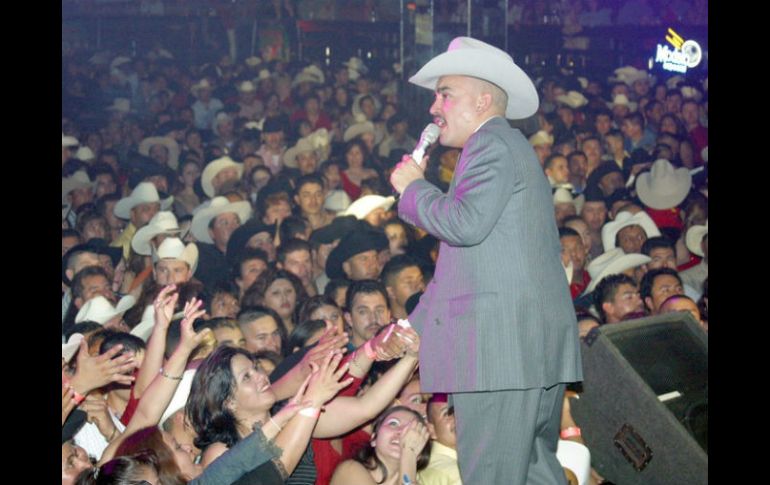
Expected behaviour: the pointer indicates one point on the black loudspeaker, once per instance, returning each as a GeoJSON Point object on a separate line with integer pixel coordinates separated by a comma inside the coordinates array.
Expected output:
{"type": "Point", "coordinates": [644, 406]}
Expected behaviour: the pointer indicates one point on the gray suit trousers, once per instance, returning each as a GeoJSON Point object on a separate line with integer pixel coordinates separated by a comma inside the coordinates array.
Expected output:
{"type": "Point", "coordinates": [509, 437]}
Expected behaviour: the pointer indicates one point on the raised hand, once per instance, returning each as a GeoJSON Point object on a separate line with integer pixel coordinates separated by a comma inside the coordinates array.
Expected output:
{"type": "Point", "coordinates": [387, 344]}
{"type": "Point", "coordinates": [324, 382]}
{"type": "Point", "coordinates": [98, 414]}
{"type": "Point", "coordinates": [67, 401]}
{"type": "Point", "coordinates": [164, 305]}
{"type": "Point", "coordinates": [96, 371]}
{"type": "Point", "coordinates": [410, 338]}
{"type": "Point", "coordinates": [189, 337]}
{"type": "Point", "coordinates": [331, 341]}
{"type": "Point", "coordinates": [414, 437]}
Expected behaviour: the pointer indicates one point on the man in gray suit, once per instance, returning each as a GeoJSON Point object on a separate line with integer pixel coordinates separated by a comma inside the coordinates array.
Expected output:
{"type": "Point", "coordinates": [496, 322]}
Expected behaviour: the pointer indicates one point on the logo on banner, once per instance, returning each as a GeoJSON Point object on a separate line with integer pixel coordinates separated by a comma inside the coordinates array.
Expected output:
{"type": "Point", "coordinates": [685, 54]}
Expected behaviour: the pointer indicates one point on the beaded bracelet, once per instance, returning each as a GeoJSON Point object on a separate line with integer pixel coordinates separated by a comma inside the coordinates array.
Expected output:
{"type": "Point", "coordinates": [160, 371]}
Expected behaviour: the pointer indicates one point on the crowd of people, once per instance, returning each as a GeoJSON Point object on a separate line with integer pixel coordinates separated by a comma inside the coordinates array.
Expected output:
{"type": "Point", "coordinates": [235, 276]}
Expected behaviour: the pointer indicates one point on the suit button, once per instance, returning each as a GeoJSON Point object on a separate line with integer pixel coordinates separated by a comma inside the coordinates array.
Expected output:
{"type": "Point", "coordinates": [437, 322]}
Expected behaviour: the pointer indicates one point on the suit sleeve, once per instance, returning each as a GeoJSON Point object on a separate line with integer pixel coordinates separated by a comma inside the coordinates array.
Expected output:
{"type": "Point", "coordinates": [485, 180]}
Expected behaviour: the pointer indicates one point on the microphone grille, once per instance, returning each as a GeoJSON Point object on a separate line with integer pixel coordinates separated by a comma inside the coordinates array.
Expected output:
{"type": "Point", "coordinates": [431, 132]}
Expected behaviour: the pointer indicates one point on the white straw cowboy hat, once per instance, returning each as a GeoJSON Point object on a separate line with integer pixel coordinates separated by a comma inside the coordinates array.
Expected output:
{"type": "Point", "coordinates": [357, 129]}
{"type": "Point", "coordinates": [213, 168]}
{"type": "Point", "coordinates": [78, 180]}
{"type": "Point", "coordinates": [625, 219]}
{"type": "Point", "coordinates": [664, 186]}
{"type": "Point", "coordinates": [622, 100]}
{"type": "Point", "coordinates": [694, 237]}
{"type": "Point", "coordinates": [121, 105]}
{"type": "Point", "coordinates": [253, 61]}
{"type": "Point", "coordinates": [164, 222]}
{"type": "Point", "coordinates": [613, 261]}
{"type": "Point", "coordinates": [218, 205]}
{"type": "Point", "coordinates": [202, 84]}
{"type": "Point", "coordinates": [69, 141]}
{"type": "Point", "coordinates": [355, 107]}
{"type": "Point", "coordinates": [337, 201]}
{"type": "Point", "coordinates": [174, 248]}
{"type": "Point", "coordinates": [363, 206]}
{"type": "Point", "coordinates": [69, 349]}
{"type": "Point", "coordinates": [143, 193]}
{"type": "Point", "coordinates": [311, 74]}
{"type": "Point", "coordinates": [573, 99]}
{"type": "Point", "coordinates": [541, 138]}
{"type": "Point", "coordinates": [321, 141]}
{"type": "Point", "coordinates": [99, 309]}
{"type": "Point", "coordinates": [466, 56]}
{"type": "Point", "coordinates": [171, 145]}
{"type": "Point", "coordinates": [84, 153]}
{"type": "Point", "coordinates": [303, 145]}
{"type": "Point", "coordinates": [143, 329]}
{"type": "Point", "coordinates": [247, 87]}
{"type": "Point", "coordinates": [563, 196]}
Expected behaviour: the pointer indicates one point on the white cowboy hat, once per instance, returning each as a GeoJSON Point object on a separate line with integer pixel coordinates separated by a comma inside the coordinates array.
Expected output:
{"type": "Point", "coordinates": [213, 168]}
{"type": "Point", "coordinates": [164, 222]}
{"type": "Point", "coordinates": [99, 309]}
{"type": "Point", "coordinates": [84, 153]}
{"type": "Point", "coordinates": [563, 196]}
{"type": "Point", "coordinates": [363, 206]}
{"type": "Point", "coordinates": [216, 206]}
{"type": "Point", "coordinates": [180, 395]}
{"type": "Point", "coordinates": [321, 141]}
{"type": "Point", "coordinates": [357, 129]}
{"type": "Point", "coordinates": [143, 329]}
{"type": "Point", "coordinates": [171, 145]}
{"type": "Point", "coordinates": [337, 201]}
{"type": "Point", "coordinates": [247, 87]}
{"type": "Point", "coordinates": [121, 105]}
{"type": "Point", "coordinates": [143, 193]}
{"type": "Point", "coordinates": [466, 56]}
{"type": "Point", "coordinates": [573, 99]}
{"type": "Point", "coordinates": [119, 61]}
{"type": "Point", "coordinates": [69, 141]}
{"type": "Point", "coordinates": [694, 237]}
{"type": "Point", "coordinates": [541, 138]}
{"type": "Point", "coordinates": [290, 156]}
{"type": "Point", "coordinates": [253, 61]}
{"type": "Point", "coordinates": [356, 64]}
{"type": "Point", "coordinates": [664, 186]}
{"type": "Point", "coordinates": [625, 219]}
{"type": "Point", "coordinates": [69, 349]}
{"type": "Point", "coordinates": [311, 74]}
{"type": "Point", "coordinates": [691, 92]}
{"type": "Point", "coordinates": [613, 261]}
{"type": "Point", "coordinates": [264, 74]}
{"type": "Point", "coordinates": [78, 180]}
{"type": "Point", "coordinates": [355, 107]}
{"type": "Point", "coordinates": [202, 84]}
{"type": "Point", "coordinates": [622, 100]}
{"type": "Point", "coordinates": [673, 81]}
{"type": "Point", "coordinates": [174, 248]}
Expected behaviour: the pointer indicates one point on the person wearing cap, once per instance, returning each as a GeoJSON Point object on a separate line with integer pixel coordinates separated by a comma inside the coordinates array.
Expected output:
{"type": "Point", "coordinates": [212, 227]}
{"type": "Point", "coordinates": [139, 208]}
{"type": "Point", "coordinates": [608, 177]}
{"type": "Point", "coordinates": [174, 263]}
{"type": "Point", "coordinates": [662, 190]}
{"type": "Point", "coordinates": [205, 106]}
{"type": "Point", "coordinates": [372, 209]}
{"type": "Point", "coordinates": [69, 146]}
{"type": "Point", "coordinates": [356, 257]}
{"type": "Point", "coordinates": [542, 143]}
{"type": "Point", "coordinates": [502, 346]}
{"type": "Point", "coordinates": [322, 243]}
{"type": "Point", "coordinates": [628, 231]}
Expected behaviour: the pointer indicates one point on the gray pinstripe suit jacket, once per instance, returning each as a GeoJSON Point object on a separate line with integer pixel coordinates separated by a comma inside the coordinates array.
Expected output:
{"type": "Point", "coordinates": [498, 313]}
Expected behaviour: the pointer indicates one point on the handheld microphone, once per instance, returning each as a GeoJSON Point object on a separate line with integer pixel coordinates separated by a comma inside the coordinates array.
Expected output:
{"type": "Point", "coordinates": [429, 135]}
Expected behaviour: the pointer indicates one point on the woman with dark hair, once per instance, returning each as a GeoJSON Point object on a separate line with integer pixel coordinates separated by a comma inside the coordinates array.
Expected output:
{"type": "Point", "coordinates": [306, 333]}
{"type": "Point", "coordinates": [164, 447]}
{"type": "Point", "coordinates": [321, 307]}
{"type": "Point", "coordinates": [124, 470]}
{"type": "Point", "coordinates": [399, 448]}
{"type": "Point", "coordinates": [231, 396]}
{"type": "Point", "coordinates": [278, 290]}
{"type": "Point", "coordinates": [356, 156]}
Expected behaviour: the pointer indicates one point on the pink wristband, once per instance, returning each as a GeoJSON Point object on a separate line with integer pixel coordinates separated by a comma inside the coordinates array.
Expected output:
{"type": "Point", "coordinates": [570, 432]}
{"type": "Point", "coordinates": [76, 396]}
{"type": "Point", "coordinates": [368, 350]}
{"type": "Point", "coordinates": [310, 412]}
